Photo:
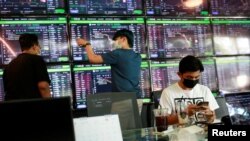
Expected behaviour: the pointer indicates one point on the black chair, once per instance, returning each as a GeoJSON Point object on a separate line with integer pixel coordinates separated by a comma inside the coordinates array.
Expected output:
{"type": "Point", "coordinates": [223, 110]}
{"type": "Point", "coordinates": [156, 95]}
{"type": "Point", "coordinates": [147, 116]}
{"type": "Point", "coordinates": [77, 113]}
{"type": "Point", "coordinates": [37, 120]}
{"type": "Point", "coordinates": [122, 103]}
{"type": "Point", "coordinates": [148, 108]}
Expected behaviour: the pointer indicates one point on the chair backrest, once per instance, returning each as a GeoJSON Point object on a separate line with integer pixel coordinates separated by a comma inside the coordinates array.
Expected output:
{"type": "Point", "coordinates": [37, 120]}
{"type": "Point", "coordinates": [156, 95]}
{"type": "Point", "coordinates": [222, 111]}
{"type": "Point", "coordinates": [147, 116]}
{"type": "Point", "coordinates": [122, 103]}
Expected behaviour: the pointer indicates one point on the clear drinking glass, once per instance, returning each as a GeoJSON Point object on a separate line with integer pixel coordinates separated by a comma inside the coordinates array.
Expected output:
{"type": "Point", "coordinates": [161, 121]}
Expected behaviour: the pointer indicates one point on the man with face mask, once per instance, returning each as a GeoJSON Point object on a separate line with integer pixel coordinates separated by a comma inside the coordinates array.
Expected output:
{"type": "Point", "coordinates": [125, 63]}
{"type": "Point", "coordinates": [190, 69]}
{"type": "Point", "coordinates": [26, 76]}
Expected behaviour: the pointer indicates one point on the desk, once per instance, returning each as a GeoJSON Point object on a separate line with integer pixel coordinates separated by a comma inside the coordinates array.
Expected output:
{"type": "Point", "coordinates": [150, 134]}
{"type": "Point", "coordinates": [144, 134]}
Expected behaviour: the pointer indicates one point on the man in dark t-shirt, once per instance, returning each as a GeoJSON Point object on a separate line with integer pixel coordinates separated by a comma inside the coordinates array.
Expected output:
{"type": "Point", "coordinates": [26, 76]}
{"type": "Point", "coordinates": [125, 63]}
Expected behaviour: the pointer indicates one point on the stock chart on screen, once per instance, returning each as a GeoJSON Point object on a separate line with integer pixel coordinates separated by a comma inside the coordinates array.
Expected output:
{"type": "Point", "coordinates": [51, 32]}
{"type": "Point", "coordinates": [230, 7]}
{"type": "Point", "coordinates": [233, 73]}
{"type": "Point", "coordinates": [231, 36]}
{"type": "Point", "coordinates": [32, 7]}
{"type": "Point", "coordinates": [1, 85]}
{"type": "Point", "coordinates": [100, 31]}
{"type": "Point", "coordinates": [90, 79]}
{"type": "Point", "coordinates": [107, 7]}
{"type": "Point", "coordinates": [177, 7]}
{"type": "Point", "coordinates": [169, 38]}
{"type": "Point", "coordinates": [164, 74]}
{"type": "Point", "coordinates": [60, 76]}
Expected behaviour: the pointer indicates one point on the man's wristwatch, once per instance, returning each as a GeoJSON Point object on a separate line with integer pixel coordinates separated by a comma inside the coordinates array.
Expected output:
{"type": "Point", "coordinates": [86, 44]}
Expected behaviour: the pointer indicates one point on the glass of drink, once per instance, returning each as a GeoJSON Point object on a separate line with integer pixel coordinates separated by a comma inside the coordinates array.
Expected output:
{"type": "Point", "coordinates": [161, 120]}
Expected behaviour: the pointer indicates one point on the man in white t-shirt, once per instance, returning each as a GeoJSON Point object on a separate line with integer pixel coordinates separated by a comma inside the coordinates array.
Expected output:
{"type": "Point", "coordinates": [190, 69]}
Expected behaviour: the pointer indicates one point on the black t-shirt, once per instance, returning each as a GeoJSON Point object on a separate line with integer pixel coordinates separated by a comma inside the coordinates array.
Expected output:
{"type": "Point", "coordinates": [22, 75]}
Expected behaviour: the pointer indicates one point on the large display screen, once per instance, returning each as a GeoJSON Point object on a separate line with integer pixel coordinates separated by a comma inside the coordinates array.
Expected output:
{"type": "Point", "coordinates": [91, 79]}
{"type": "Point", "coordinates": [145, 80]}
{"type": "Point", "coordinates": [61, 82]}
{"type": "Point", "coordinates": [230, 7]}
{"type": "Point", "coordinates": [107, 7]}
{"type": "Point", "coordinates": [51, 31]}
{"type": "Point", "coordinates": [169, 38]}
{"type": "Point", "coordinates": [177, 7]}
{"type": "Point", "coordinates": [238, 108]}
{"type": "Point", "coordinates": [231, 36]}
{"type": "Point", "coordinates": [32, 6]}
{"type": "Point", "coordinates": [233, 74]}
{"type": "Point", "coordinates": [164, 74]}
{"type": "Point", "coordinates": [1, 86]}
{"type": "Point", "coordinates": [99, 31]}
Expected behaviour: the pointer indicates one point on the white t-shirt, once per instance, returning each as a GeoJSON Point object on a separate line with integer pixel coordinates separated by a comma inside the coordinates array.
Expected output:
{"type": "Point", "coordinates": [175, 91]}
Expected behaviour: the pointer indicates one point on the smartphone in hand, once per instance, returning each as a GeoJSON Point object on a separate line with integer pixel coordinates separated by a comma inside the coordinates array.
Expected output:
{"type": "Point", "coordinates": [204, 103]}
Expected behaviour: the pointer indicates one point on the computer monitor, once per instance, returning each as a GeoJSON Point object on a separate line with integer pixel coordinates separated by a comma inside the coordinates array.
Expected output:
{"type": "Point", "coordinates": [32, 7]}
{"type": "Point", "coordinates": [233, 74]}
{"type": "Point", "coordinates": [107, 7]}
{"type": "Point", "coordinates": [231, 36]}
{"type": "Point", "coordinates": [209, 75]}
{"type": "Point", "coordinates": [238, 108]}
{"type": "Point", "coordinates": [61, 82]}
{"type": "Point", "coordinates": [51, 32]}
{"type": "Point", "coordinates": [230, 7]}
{"type": "Point", "coordinates": [37, 120]}
{"type": "Point", "coordinates": [156, 96]}
{"type": "Point", "coordinates": [170, 37]}
{"type": "Point", "coordinates": [90, 79]}
{"type": "Point", "coordinates": [164, 73]}
{"type": "Point", "coordinates": [145, 81]}
{"type": "Point", "coordinates": [99, 31]}
{"type": "Point", "coordinates": [1, 86]}
{"type": "Point", "coordinates": [177, 7]}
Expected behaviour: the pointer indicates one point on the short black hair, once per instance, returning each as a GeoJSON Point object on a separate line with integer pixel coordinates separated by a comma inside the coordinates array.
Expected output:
{"type": "Point", "coordinates": [28, 40]}
{"type": "Point", "coordinates": [125, 33]}
{"type": "Point", "coordinates": [190, 64]}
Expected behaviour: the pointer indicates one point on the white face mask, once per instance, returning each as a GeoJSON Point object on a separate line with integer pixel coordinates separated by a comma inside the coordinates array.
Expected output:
{"type": "Point", "coordinates": [115, 44]}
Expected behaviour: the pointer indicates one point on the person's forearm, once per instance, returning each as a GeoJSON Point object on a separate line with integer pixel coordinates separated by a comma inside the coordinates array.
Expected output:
{"type": "Point", "coordinates": [90, 53]}
{"type": "Point", "coordinates": [172, 119]}
{"type": "Point", "coordinates": [93, 58]}
{"type": "Point", "coordinates": [45, 92]}
{"type": "Point", "coordinates": [44, 89]}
